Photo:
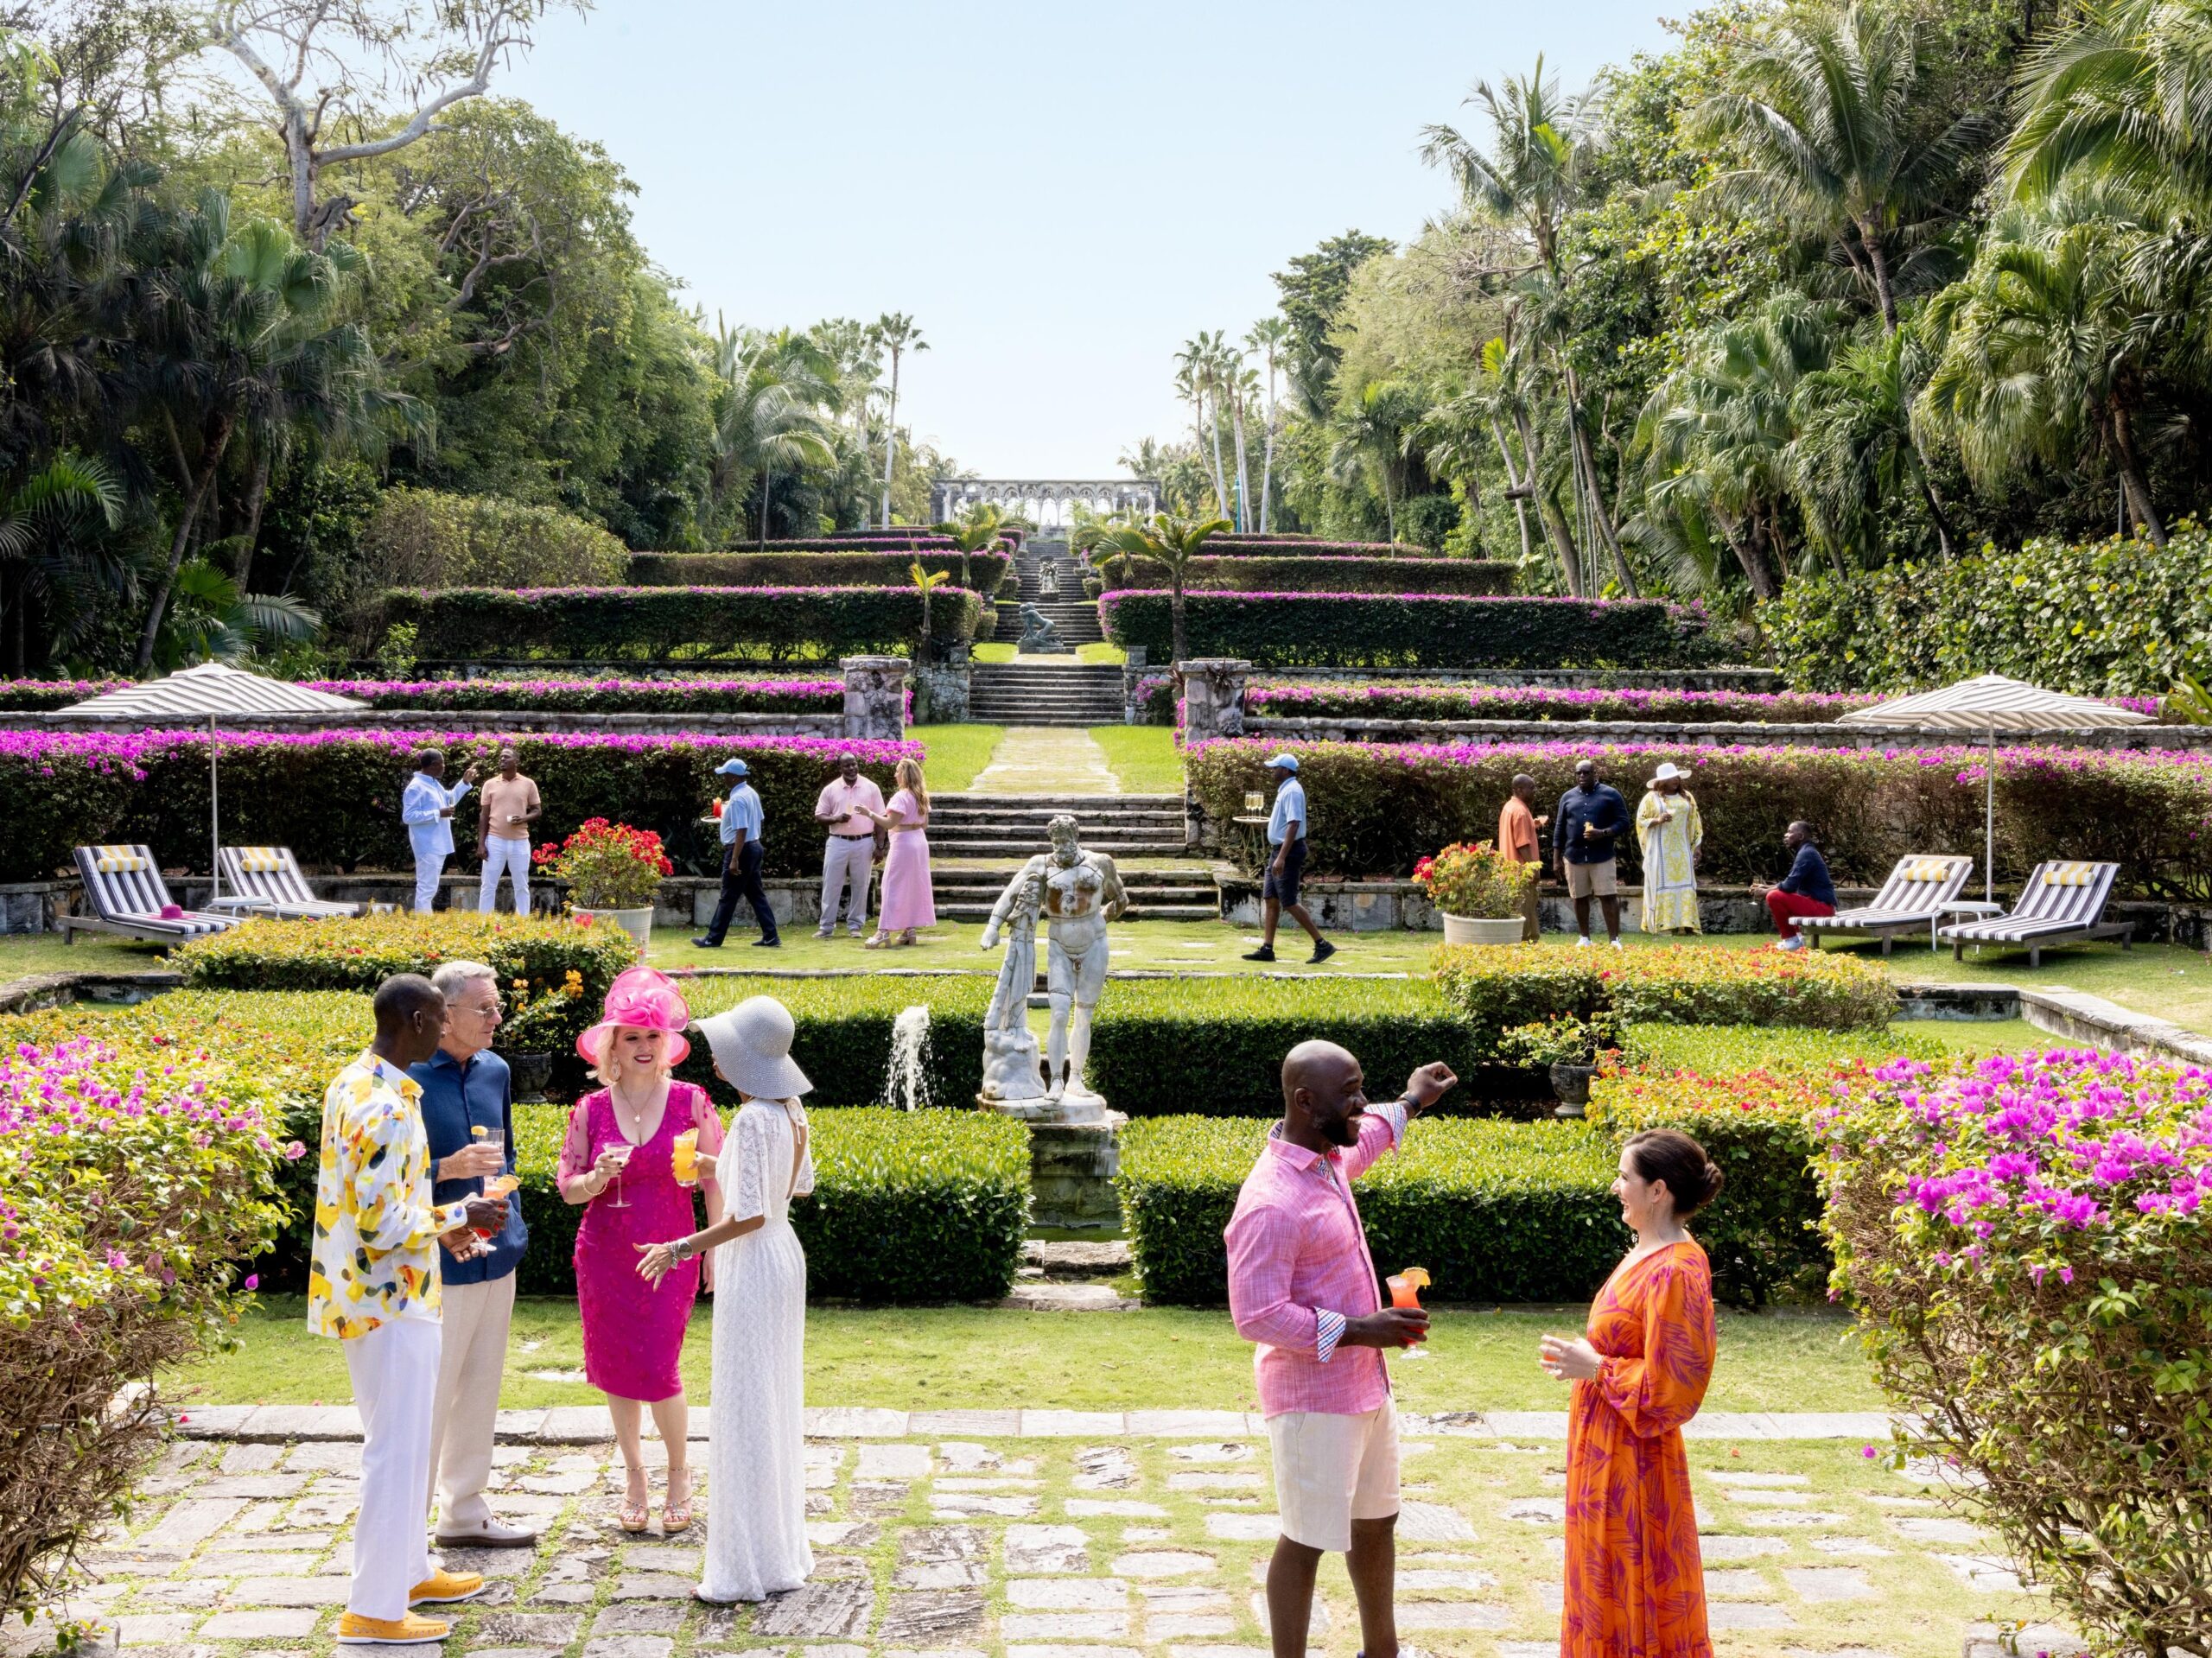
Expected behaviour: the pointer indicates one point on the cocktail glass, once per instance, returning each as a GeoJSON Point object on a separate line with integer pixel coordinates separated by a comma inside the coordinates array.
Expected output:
{"type": "Point", "coordinates": [1405, 1291]}
{"type": "Point", "coordinates": [621, 1159]}
{"type": "Point", "coordinates": [685, 1159]}
{"type": "Point", "coordinates": [499, 1186]}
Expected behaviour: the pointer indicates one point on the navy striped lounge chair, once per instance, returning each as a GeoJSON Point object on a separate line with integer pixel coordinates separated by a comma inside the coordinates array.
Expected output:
{"type": "Point", "coordinates": [123, 886]}
{"type": "Point", "coordinates": [2061, 904]}
{"type": "Point", "coordinates": [1912, 901]}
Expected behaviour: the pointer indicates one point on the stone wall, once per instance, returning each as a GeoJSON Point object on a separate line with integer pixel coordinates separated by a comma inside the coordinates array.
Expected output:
{"type": "Point", "coordinates": [1715, 734]}
{"type": "Point", "coordinates": [489, 721]}
{"type": "Point", "coordinates": [941, 692]}
{"type": "Point", "coordinates": [1750, 680]}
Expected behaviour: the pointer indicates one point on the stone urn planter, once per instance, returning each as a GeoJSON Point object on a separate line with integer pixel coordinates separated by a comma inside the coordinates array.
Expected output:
{"type": "Point", "coordinates": [1482, 930]}
{"type": "Point", "coordinates": [531, 1073]}
{"type": "Point", "coordinates": [639, 924]}
{"type": "Point", "coordinates": [1572, 1084]}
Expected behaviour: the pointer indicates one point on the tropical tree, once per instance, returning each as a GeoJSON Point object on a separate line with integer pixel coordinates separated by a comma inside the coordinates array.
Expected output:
{"type": "Point", "coordinates": [1376, 431]}
{"type": "Point", "coordinates": [770, 413]}
{"type": "Point", "coordinates": [927, 581]}
{"type": "Point", "coordinates": [894, 331]}
{"type": "Point", "coordinates": [1270, 337]}
{"type": "Point", "coordinates": [1198, 381]}
{"type": "Point", "coordinates": [973, 532]}
{"type": "Point", "coordinates": [211, 618]}
{"type": "Point", "coordinates": [52, 554]}
{"type": "Point", "coordinates": [1170, 542]}
{"type": "Point", "coordinates": [1854, 453]}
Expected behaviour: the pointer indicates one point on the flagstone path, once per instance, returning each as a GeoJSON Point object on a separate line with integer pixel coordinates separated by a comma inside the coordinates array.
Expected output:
{"type": "Point", "coordinates": [1050, 760]}
{"type": "Point", "coordinates": [1025, 1533]}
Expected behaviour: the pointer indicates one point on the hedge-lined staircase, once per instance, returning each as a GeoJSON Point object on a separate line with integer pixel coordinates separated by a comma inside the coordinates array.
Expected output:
{"type": "Point", "coordinates": [1073, 615]}
{"type": "Point", "coordinates": [978, 841]}
{"type": "Point", "coordinates": [1032, 692]}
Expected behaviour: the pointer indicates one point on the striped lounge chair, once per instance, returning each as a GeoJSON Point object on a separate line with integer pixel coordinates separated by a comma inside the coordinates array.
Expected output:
{"type": "Point", "coordinates": [271, 875]}
{"type": "Point", "coordinates": [1912, 901]}
{"type": "Point", "coordinates": [2061, 904]}
{"type": "Point", "coordinates": [123, 886]}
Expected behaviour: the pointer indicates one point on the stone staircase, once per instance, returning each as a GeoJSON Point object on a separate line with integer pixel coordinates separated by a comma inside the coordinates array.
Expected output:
{"type": "Point", "coordinates": [1041, 693]}
{"type": "Point", "coordinates": [1072, 615]}
{"type": "Point", "coordinates": [978, 841]}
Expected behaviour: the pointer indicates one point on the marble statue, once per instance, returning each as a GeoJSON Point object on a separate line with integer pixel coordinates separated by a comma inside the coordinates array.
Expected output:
{"type": "Point", "coordinates": [1038, 637]}
{"type": "Point", "coordinates": [1081, 894]}
{"type": "Point", "coordinates": [1010, 1069]}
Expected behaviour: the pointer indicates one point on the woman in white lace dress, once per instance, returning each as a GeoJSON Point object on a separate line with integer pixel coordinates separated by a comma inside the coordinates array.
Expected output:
{"type": "Point", "coordinates": [756, 1474]}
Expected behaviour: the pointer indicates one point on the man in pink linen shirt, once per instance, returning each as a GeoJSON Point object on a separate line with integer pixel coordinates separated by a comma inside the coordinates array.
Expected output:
{"type": "Point", "coordinates": [1302, 1285]}
{"type": "Point", "coordinates": [848, 853]}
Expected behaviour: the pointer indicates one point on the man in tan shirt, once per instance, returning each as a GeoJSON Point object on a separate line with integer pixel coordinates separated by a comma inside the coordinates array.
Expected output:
{"type": "Point", "coordinates": [510, 805]}
{"type": "Point", "coordinates": [849, 852]}
{"type": "Point", "coordinates": [1517, 837]}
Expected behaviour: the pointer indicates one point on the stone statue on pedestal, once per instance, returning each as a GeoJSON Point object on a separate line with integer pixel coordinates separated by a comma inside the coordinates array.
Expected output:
{"type": "Point", "coordinates": [1010, 1069]}
{"type": "Point", "coordinates": [1038, 636]}
{"type": "Point", "coordinates": [1081, 893]}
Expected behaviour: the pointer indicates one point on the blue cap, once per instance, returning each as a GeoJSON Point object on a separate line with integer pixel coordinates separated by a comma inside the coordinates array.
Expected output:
{"type": "Point", "coordinates": [1283, 762]}
{"type": "Point", "coordinates": [732, 769]}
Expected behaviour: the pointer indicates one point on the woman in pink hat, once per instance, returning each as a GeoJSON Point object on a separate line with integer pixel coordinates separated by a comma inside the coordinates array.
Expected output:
{"type": "Point", "coordinates": [620, 1161]}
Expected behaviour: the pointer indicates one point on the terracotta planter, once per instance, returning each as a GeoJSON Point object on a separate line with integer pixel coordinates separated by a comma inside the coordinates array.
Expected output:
{"type": "Point", "coordinates": [639, 924]}
{"type": "Point", "coordinates": [1482, 930]}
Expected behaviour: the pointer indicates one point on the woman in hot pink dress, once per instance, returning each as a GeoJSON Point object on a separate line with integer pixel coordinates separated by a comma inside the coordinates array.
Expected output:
{"type": "Point", "coordinates": [619, 1161]}
{"type": "Point", "coordinates": [907, 901]}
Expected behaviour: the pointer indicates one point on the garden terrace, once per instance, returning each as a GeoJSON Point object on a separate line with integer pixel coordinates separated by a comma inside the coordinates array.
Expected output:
{"type": "Point", "coordinates": [1306, 572]}
{"type": "Point", "coordinates": [1402, 700]}
{"type": "Point", "coordinates": [691, 694]}
{"type": "Point", "coordinates": [1409, 630]}
{"type": "Point", "coordinates": [856, 540]}
{"type": "Point", "coordinates": [1235, 543]}
{"type": "Point", "coordinates": [779, 624]}
{"type": "Point", "coordinates": [984, 571]}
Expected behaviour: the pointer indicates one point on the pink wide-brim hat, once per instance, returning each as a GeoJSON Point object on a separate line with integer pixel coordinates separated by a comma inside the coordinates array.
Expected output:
{"type": "Point", "coordinates": [644, 998]}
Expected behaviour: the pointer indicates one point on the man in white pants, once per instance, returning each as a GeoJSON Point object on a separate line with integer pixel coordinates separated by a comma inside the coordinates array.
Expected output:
{"type": "Point", "coordinates": [505, 809]}
{"type": "Point", "coordinates": [850, 853]}
{"type": "Point", "coordinates": [468, 1116]}
{"type": "Point", "coordinates": [373, 1285]}
{"type": "Point", "coordinates": [426, 810]}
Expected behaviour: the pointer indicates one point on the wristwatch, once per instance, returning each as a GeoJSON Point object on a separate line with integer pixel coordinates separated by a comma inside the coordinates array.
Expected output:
{"type": "Point", "coordinates": [684, 1249]}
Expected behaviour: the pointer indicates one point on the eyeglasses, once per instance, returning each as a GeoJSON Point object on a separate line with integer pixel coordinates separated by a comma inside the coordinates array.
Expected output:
{"type": "Point", "coordinates": [483, 1010]}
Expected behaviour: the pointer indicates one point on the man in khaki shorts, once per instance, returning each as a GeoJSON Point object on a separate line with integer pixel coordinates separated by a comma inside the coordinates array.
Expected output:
{"type": "Point", "coordinates": [1302, 1285]}
{"type": "Point", "coordinates": [1591, 819]}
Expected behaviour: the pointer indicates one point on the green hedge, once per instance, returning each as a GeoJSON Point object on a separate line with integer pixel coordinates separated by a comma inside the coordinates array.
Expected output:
{"type": "Point", "coordinates": [1293, 573]}
{"type": "Point", "coordinates": [846, 568]}
{"type": "Point", "coordinates": [1496, 987]}
{"type": "Point", "coordinates": [428, 538]}
{"type": "Point", "coordinates": [1321, 630]}
{"type": "Point", "coordinates": [1497, 1211]}
{"type": "Point", "coordinates": [2105, 618]}
{"type": "Point", "coordinates": [333, 797]}
{"type": "Point", "coordinates": [844, 1040]}
{"type": "Point", "coordinates": [778, 623]}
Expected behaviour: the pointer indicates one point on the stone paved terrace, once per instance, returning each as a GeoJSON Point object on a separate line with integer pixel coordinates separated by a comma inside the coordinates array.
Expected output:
{"type": "Point", "coordinates": [1043, 1535]}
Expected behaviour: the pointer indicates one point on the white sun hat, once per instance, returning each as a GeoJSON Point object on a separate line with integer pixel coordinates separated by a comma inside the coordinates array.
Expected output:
{"type": "Point", "coordinates": [1668, 772]}
{"type": "Point", "coordinates": [752, 1046]}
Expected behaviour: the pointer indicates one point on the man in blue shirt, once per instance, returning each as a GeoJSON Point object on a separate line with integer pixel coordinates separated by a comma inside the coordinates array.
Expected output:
{"type": "Point", "coordinates": [1591, 819]}
{"type": "Point", "coordinates": [741, 856]}
{"type": "Point", "coordinates": [426, 810]}
{"type": "Point", "coordinates": [468, 1118]}
{"type": "Point", "coordinates": [1287, 864]}
{"type": "Point", "coordinates": [1806, 889]}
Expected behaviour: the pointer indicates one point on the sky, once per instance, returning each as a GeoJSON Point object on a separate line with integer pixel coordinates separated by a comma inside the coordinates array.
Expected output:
{"type": "Point", "coordinates": [1059, 195]}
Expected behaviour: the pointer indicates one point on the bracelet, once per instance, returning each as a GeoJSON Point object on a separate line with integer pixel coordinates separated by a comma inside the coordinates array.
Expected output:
{"type": "Point", "coordinates": [684, 1249]}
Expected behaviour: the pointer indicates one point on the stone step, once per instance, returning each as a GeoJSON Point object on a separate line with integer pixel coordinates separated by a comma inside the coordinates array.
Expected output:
{"type": "Point", "coordinates": [1066, 1260]}
{"type": "Point", "coordinates": [1010, 804]}
{"type": "Point", "coordinates": [966, 911]}
{"type": "Point", "coordinates": [1159, 834]}
{"type": "Point", "coordinates": [997, 847]}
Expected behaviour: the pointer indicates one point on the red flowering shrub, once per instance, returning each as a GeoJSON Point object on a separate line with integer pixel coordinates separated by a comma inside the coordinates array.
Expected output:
{"type": "Point", "coordinates": [607, 865]}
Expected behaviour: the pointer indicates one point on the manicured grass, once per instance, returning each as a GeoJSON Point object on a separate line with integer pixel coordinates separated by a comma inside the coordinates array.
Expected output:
{"type": "Point", "coordinates": [958, 1358]}
{"type": "Point", "coordinates": [1102, 650]}
{"type": "Point", "coordinates": [1145, 757]}
{"type": "Point", "coordinates": [25, 953]}
{"type": "Point", "coordinates": [952, 755]}
{"type": "Point", "coordinates": [992, 651]}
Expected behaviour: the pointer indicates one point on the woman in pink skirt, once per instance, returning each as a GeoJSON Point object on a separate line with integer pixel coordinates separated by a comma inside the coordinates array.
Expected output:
{"type": "Point", "coordinates": [907, 901]}
{"type": "Point", "coordinates": [619, 1161]}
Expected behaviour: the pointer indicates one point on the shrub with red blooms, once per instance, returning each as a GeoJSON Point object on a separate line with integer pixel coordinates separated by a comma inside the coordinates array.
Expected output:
{"type": "Point", "coordinates": [2026, 1244]}
{"type": "Point", "coordinates": [128, 1190]}
{"type": "Point", "coordinates": [607, 865]}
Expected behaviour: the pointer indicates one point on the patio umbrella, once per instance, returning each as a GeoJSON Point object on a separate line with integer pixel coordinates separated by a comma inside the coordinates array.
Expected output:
{"type": "Point", "coordinates": [1991, 703]}
{"type": "Point", "coordinates": [211, 690]}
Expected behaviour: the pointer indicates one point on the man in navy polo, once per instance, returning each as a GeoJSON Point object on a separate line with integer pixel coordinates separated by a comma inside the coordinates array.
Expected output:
{"type": "Point", "coordinates": [469, 1116]}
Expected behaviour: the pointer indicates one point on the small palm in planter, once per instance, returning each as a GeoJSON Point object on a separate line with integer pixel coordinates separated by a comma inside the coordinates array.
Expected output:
{"type": "Point", "coordinates": [1478, 890]}
{"type": "Point", "coordinates": [1573, 1051]}
{"type": "Point", "coordinates": [610, 870]}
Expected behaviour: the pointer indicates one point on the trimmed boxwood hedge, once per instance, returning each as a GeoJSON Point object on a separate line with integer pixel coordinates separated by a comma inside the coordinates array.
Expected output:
{"type": "Point", "coordinates": [843, 1039]}
{"type": "Point", "coordinates": [1351, 629]}
{"type": "Point", "coordinates": [779, 623]}
{"type": "Point", "coordinates": [1495, 987]}
{"type": "Point", "coordinates": [1497, 1211]}
{"type": "Point", "coordinates": [847, 568]}
{"type": "Point", "coordinates": [1305, 573]}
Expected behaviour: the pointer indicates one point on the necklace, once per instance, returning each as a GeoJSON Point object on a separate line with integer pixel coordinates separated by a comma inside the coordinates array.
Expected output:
{"type": "Point", "coordinates": [629, 1115]}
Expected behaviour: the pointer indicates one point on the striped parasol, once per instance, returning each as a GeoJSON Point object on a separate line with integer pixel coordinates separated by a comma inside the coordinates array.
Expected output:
{"type": "Point", "coordinates": [1990, 703]}
{"type": "Point", "coordinates": [209, 691]}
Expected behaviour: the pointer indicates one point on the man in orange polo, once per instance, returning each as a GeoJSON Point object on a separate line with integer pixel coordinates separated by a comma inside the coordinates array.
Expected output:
{"type": "Point", "coordinates": [1518, 840]}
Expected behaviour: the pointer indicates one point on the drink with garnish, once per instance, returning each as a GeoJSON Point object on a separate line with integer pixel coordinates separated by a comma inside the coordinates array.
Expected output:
{"type": "Point", "coordinates": [684, 1161]}
{"type": "Point", "coordinates": [1405, 1291]}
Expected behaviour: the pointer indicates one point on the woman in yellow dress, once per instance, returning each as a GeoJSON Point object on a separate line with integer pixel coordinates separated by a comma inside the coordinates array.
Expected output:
{"type": "Point", "coordinates": [1671, 832]}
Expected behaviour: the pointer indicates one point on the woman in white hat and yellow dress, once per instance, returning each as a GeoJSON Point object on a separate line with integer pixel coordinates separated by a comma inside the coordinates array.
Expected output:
{"type": "Point", "coordinates": [1671, 832]}
{"type": "Point", "coordinates": [756, 1453]}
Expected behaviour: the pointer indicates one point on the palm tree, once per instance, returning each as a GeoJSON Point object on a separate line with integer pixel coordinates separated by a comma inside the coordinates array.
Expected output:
{"type": "Point", "coordinates": [1270, 337]}
{"type": "Point", "coordinates": [1827, 117]}
{"type": "Point", "coordinates": [43, 556]}
{"type": "Point", "coordinates": [1172, 542]}
{"type": "Point", "coordinates": [210, 619]}
{"type": "Point", "coordinates": [2042, 350]}
{"type": "Point", "coordinates": [768, 416]}
{"type": "Point", "coordinates": [1374, 435]}
{"type": "Point", "coordinates": [1854, 452]}
{"type": "Point", "coordinates": [1194, 380]}
{"type": "Point", "coordinates": [894, 331]}
{"type": "Point", "coordinates": [928, 582]}
{"type": "Point", "coordinates": [973, 534]}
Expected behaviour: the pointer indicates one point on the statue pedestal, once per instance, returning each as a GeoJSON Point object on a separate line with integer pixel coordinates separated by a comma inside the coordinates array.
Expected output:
{"type": "Point", "coordinates": [1071, 1170]}
{"type": "Point", "coordinates": [1069, 1108]}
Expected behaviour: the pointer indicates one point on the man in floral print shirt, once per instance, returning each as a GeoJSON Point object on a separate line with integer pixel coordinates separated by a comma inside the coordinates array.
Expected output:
{"type": "Point", "coordinates": [374, 1285]}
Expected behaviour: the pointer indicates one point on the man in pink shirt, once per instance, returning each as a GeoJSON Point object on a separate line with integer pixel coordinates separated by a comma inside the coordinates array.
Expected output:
{"type": "Point", "coordinates": [850, 853]}
{"type": "Point", "coordinates": [1302, 1285]}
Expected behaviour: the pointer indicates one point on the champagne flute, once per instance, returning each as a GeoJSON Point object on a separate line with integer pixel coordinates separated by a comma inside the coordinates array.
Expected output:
{"type": "Point", "coordinates": [621, 1160]}
{"type": "Point", "coordinates": [1405, 1291]}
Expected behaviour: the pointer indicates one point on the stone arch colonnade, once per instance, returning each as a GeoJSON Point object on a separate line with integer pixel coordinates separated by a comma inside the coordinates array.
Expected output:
{"type": "Point", "coordinates": [1049, 504]}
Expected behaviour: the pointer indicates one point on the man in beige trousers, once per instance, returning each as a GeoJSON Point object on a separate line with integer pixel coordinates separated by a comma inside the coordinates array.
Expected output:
{"type": "Point", "coordinates": [469, 1115]}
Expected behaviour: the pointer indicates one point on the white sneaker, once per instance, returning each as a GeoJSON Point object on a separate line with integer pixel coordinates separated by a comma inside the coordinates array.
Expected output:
{"type": "Point", "coordinates": [1617, 944]}
{"type": "Point", "coordinates": [1796, 943]}
{"type": "Point", "coordinates": [1583, 942]}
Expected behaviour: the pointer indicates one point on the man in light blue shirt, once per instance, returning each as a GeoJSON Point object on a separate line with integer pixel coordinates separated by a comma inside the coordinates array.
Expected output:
{"type": "Point", "coordinates": [1286, 863]}
{"type": "Point", "coordinates": [741, 857]}
{"type": "Point", "coordinates": [426, 810]}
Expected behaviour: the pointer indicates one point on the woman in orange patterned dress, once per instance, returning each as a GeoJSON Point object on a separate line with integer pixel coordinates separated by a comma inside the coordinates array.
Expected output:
{"type": "Point", "coordinates": [1635, 1585]}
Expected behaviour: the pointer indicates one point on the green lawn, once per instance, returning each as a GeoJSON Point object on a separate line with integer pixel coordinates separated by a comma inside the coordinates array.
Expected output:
{"type": "Point", "coordinates": [965, 1358]}
{"type": "Point", "coordinates": [1145, 757]}
{"type": "Point", "coordinates": [952, 755]}
{"type": "Point", "coordinates": [1102, 650]}
{"type": "Point", "coordinates": [25, 953]}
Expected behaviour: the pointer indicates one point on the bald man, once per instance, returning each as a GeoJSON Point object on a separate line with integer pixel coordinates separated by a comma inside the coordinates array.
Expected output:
{"type": "Point", "coordinates": [1303, 1287]}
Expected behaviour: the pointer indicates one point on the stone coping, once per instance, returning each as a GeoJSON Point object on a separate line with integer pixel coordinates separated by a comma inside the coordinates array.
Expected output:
{"type": "Point", "coordinates": [1323, 727]}
{"type": "Point", "coordinates": [591, 1425]}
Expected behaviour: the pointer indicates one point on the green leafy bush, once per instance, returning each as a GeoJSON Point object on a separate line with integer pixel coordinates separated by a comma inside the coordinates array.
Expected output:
{"type": "Point", "coordinates": [2103, 618]}
{"type": "Point", "coordinates": [427, 538]}
{"type": "Point", "coordinates": [843, 1038]}
{"type": "Point", "coordinates": [1498, 1211]}
{"type": "Point", "coordinates": [1319, 630]}
{"type": "Point", "coordinates": [778, 624]}
{"type": "Point", "coordinates": [800, 569]}
{"type": "Point", "coordinates": [1292, 573]}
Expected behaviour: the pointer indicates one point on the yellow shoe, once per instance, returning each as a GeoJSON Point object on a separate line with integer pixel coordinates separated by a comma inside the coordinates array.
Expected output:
{"type": "Point", "coordinates": [442, 1584]}
{"type": "Point", "coordinates": [354, 1631]}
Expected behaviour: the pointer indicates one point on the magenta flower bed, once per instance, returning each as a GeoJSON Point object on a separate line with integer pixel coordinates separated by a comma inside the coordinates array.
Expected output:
{"type": "Point", "coordinates": [334, 795]}
{"type": "Point", "coordinates": [574, 696]}
{"type": "Point", "coordinates": [1291, 700]}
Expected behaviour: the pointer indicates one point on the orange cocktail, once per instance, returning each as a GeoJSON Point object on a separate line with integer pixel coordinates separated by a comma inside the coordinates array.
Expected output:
{"type": "Point", "coordinates": [1405, 1291]}
{"type": "Point", "coordinates": [684, 1161]}
{"type": "Point", "coordinates": [499, 1186]}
